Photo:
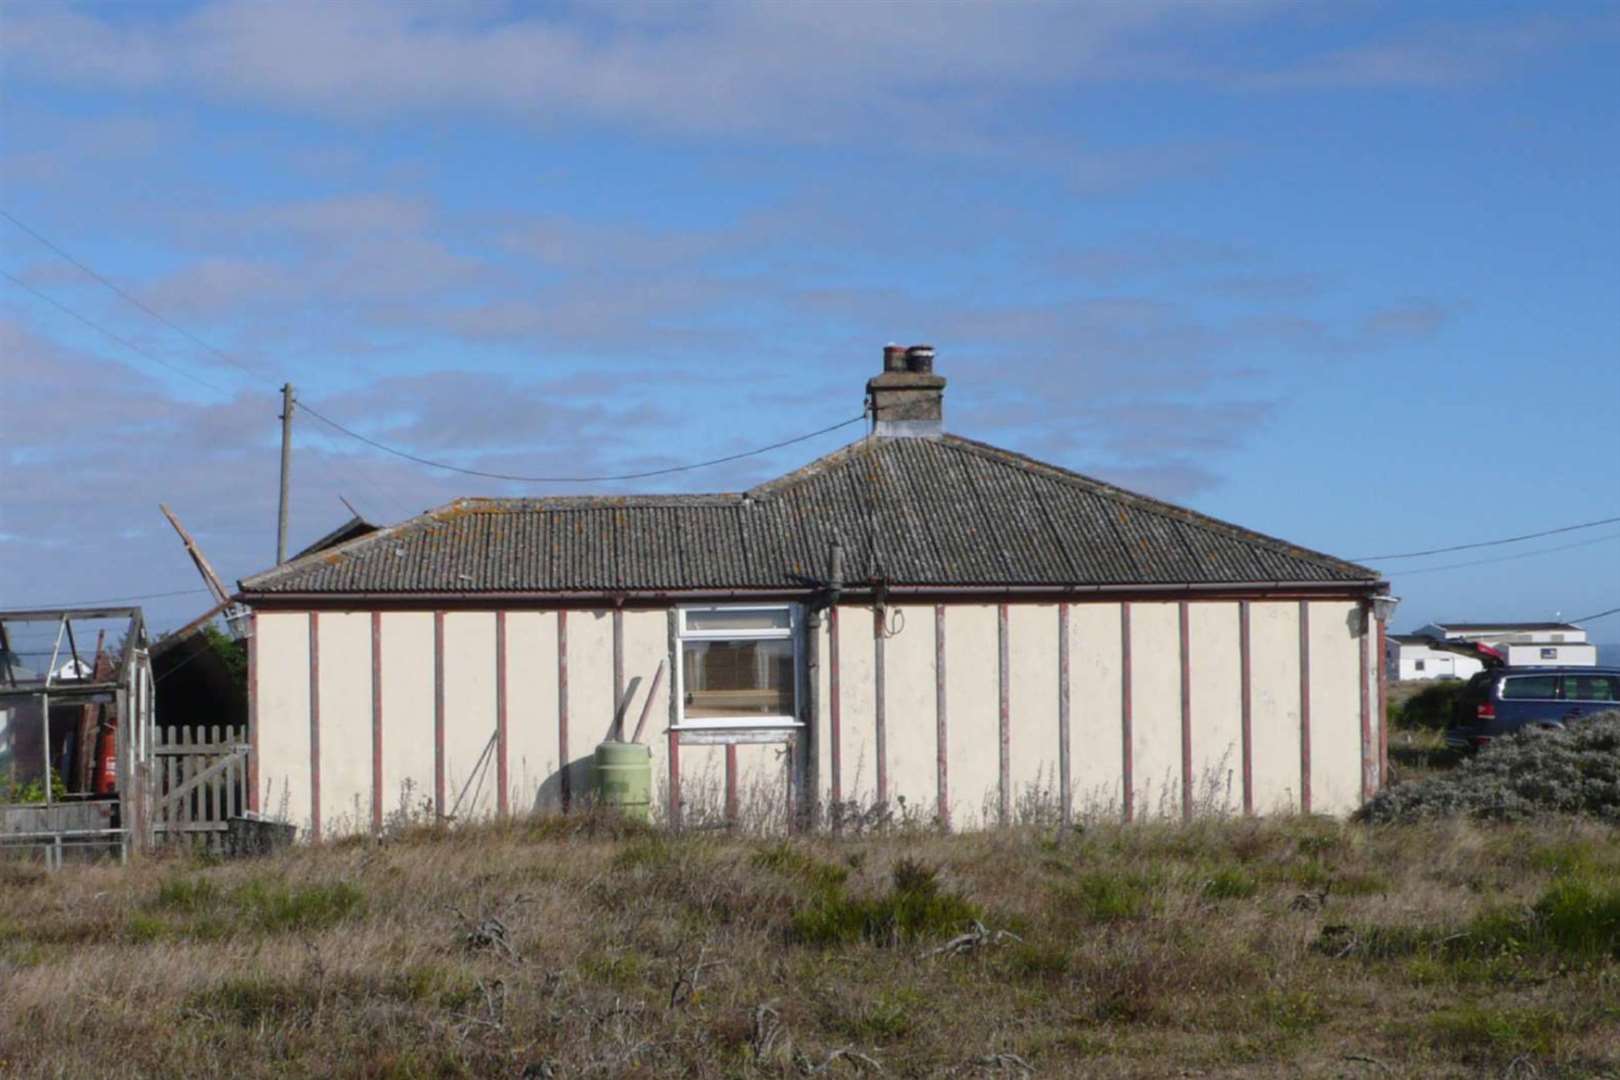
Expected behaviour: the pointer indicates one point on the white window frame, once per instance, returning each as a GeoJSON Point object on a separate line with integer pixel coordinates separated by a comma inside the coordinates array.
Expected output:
{"type": "Point", "coordinates": [683, 634]}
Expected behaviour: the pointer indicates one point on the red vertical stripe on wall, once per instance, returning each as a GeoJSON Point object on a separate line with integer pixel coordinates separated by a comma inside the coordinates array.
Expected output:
{"type": "Point", "coordinates": [1065, 773]}
{"type": "Point", "coordinates": [565, 777]}
{"type": "Point", "coordinates": [315, 725]}
{"type": "Point", "coordinates": [1246, 687]}
{"type": "Point", "coordinates": [941, 729]}
{"type": "Point", "coordinates": [674, 778]}
{"type": "Point", "coordinates": [731, 783]}
{"type": "Point", "coordinates": [1186, 713]}
{"type": "Point", "coordinates": [438, 713]}
{"type": "Point", "coordinates": [253, 712]}
{"type": "Point", "coordinates": [1304, 706]}
{"type": "Point", "coordinates": [503, 787]}
{"type": "Point", "coordinates": [619, 705]}
{"type": "Point", "coordinates": [1366, 703]}
{"type": "Point", "coordinates": [879, 705]}
{"type": "Point", "coordinates": [376, 724]}
{"type": "Point", "coordinates": [835, 713]}
{"type": "Point", "coordinates": [1004, 711]}
{"type": "Point", "coordinates": [1129, 804]}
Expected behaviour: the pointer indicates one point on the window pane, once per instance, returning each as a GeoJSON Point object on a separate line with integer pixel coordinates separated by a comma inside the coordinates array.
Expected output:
{"type": "Point", "coordinates": [738, 619]}
{"type": "Point", "coordinates": [1530, 686]}
{"type": "Point", "coordinates": [738, 678]}
{"type": "Point", "coordinates": [1591, 688]}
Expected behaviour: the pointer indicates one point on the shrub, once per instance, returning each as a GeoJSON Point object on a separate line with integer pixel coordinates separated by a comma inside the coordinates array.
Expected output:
{"type": "Point", "coordinates": [1432, 707]}
{"type": "Point", "coordinates": [1573, 771]}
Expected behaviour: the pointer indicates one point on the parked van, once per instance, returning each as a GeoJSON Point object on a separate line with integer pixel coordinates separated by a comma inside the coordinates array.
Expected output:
{"type": "Point", "coordinates": [1502, 700]}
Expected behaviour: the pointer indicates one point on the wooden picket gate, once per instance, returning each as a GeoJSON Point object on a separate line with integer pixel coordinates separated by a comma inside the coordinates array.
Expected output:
{"type": "Point", "coordinates": [202, 783]}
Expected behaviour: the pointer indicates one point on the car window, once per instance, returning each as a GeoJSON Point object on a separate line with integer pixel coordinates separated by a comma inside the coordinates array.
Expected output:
{"type": "Point", "coordinates": [1591, 688]}
{"type": "Point", "coordinates": [1523, 687]}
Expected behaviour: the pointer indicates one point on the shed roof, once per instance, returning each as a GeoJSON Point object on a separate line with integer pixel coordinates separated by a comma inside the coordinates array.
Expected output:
{"type": "Point", "coordinates": [943, 512]}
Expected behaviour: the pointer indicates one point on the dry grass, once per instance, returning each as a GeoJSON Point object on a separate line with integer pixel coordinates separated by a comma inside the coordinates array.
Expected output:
{"type": "Point", "coordinates": [1295, 947]}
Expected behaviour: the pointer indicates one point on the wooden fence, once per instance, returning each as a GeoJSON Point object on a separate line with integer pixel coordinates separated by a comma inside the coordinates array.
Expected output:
{"type": "Point", "coordinates": [202, 782]}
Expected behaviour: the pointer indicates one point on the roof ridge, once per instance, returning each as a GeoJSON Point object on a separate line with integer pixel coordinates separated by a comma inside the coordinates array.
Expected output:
{"type": "Point", "coordinates": [1159, 507]}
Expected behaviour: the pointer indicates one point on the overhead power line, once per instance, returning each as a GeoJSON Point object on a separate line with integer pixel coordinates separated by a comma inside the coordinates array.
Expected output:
{"type": "Point", "coordinates": [1509, 558]}
{"type": "Point", "coordinates": [105, 600]}
{"type": "Point", "coordinates": [1599, 615]}
{"type": "Point", "coordinates": [127, 295]}
{"type": "Point", "coordinates": [406, 455]}
{"type": "Point", "coordinates": [1488, 543]}
{"type": "Point", "coordinates": [642, 475]}
{"type": "Point", "coordinates": [125, 342]}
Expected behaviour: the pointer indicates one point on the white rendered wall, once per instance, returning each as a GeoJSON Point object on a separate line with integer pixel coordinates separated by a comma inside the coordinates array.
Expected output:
{"type": "Point", "coordinates": [407, 701]}
{"type": "Point", "coordinates": [282, 682]}
{"type": "Point", "coordinates": [857, 694]}
{"type": "Point", "coordinates": [646, 643]}
{"type": "Point", "coordinates": [1335, 635]}
{"type": "Point", "coordinates": [1274, 659]}
{"type": "Point", "coordinates": [1095, 708]}
{"type": "Point", "coordinates": [1032, 719]}
{"type": "Point", "coordinates": [1215, 662]}
{"type": "Point", "coordinates": [973, 711]}
{"type": "Point", "coordinates": [345, 688]}
{"type": "Point", "coordinates": [590, 691]}
{"type": "Point", "coordinates": [909, 701]}
{"type": "Point", "coordinates": [972, 693]}
{"type": "Point", "coordinates": [469, 714]}
{"type": "Point", "coordinates": [1156, 709]}
{"type": "Point", "coordinates": [531, 712]}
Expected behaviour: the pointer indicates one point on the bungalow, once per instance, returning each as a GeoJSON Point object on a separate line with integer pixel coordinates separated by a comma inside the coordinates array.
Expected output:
{"type": "Point", "coordinates": [917, 624]}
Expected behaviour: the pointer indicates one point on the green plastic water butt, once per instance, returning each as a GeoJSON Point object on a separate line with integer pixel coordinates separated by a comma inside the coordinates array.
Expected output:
{"type": "Point", "coordinates": [623, 778]}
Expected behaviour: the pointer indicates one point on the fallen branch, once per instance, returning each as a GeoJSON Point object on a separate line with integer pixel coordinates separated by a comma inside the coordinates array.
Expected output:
{"type": "Point", "coordinates": [976, 938]}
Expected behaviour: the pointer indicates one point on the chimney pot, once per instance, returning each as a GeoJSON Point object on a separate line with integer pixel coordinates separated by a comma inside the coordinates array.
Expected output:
{"type": "Point", "coordinates": [920, 358]}
{"type": "Point", "coordinates": [907, 397]}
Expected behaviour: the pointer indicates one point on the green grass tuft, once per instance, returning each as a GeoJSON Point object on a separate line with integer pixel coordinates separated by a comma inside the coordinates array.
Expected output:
{"type": "Point", "coordinates": [1105, 896]}
{"type": "Point", "coordinates": [915, 908]}
{"type": "Point", "coordinates": [1230, 884]}
{"type": "Point", "coordinates": [278, 908]}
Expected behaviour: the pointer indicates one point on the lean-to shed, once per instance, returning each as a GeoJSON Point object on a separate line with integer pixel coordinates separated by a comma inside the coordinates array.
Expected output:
{"type": "Point", "coordinates": [917, 624]}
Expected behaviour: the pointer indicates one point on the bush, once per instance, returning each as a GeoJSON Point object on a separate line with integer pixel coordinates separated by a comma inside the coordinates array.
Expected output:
{"type": "Point", "coordinates": [1574, 771]}
{"type": "Point", "coordinates": [1431, 707]}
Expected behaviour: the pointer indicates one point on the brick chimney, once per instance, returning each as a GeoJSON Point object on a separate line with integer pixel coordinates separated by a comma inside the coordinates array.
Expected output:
{"type": "Point", "coordinates": [908, 399]}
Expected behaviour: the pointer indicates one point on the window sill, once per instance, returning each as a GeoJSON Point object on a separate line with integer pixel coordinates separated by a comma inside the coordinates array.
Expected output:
{"type": "Point", "coordinates": [763, 723]}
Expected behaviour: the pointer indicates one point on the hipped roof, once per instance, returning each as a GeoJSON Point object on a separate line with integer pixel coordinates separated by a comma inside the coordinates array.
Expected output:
{"type": "Point", "coordinates": [942, 512]}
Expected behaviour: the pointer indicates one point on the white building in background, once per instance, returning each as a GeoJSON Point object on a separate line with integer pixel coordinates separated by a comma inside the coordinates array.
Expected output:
{"type": "Point", "coordinates": [1538, 644]}
{"type": "Point", "coordinates": [1411, 656]}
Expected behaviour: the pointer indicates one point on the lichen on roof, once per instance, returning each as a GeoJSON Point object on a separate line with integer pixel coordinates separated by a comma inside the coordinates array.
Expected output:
{"type": "Point", "coordinates": [928, 512]}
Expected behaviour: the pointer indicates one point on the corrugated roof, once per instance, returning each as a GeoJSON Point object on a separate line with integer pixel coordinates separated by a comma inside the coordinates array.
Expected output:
{"type": "Point", "coordinates": [946, 512]}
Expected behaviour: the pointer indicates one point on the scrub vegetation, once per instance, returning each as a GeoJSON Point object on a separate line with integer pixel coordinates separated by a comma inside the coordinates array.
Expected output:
{"type": "Point", "coordinates": [585, 946]}
{"type": "Point", "coordinates": [1571, 771]}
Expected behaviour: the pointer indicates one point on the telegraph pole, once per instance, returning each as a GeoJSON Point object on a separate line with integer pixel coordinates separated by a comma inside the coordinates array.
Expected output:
{"type": "Point", "coordinates": [286, 470]}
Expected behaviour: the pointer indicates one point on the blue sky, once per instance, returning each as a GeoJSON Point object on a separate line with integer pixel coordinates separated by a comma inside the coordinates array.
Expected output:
{"type": "Point", "coordinates": [1341, 273]}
